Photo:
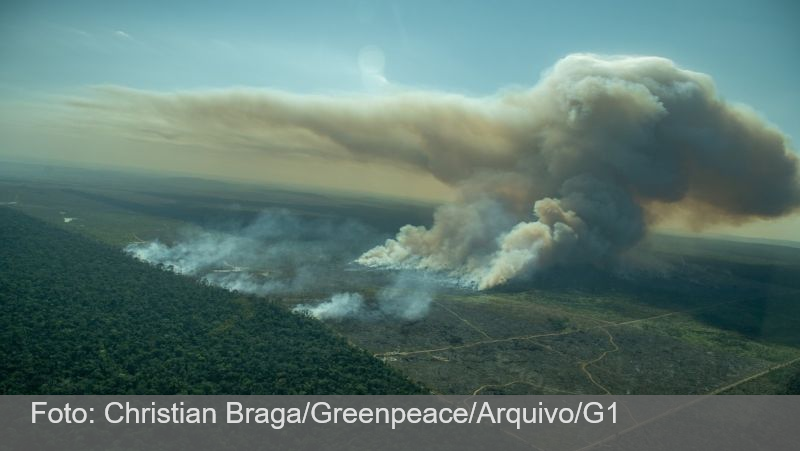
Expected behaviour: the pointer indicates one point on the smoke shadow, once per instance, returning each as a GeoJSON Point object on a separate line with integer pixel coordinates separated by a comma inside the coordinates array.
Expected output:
{"type": "Point", "coordinates": [759, 300]}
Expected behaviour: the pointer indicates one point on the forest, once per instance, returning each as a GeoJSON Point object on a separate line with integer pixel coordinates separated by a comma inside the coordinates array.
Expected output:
{"type": "Point", "coordinates": [79, 317]}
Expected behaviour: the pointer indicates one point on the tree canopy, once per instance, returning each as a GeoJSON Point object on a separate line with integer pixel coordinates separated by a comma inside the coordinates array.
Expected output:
{"type": "Point", "coordinates": [80, 317]}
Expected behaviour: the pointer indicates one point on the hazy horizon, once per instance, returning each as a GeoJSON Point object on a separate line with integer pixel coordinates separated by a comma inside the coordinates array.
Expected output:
{"type": "Point", "coordinates": [96, 85]}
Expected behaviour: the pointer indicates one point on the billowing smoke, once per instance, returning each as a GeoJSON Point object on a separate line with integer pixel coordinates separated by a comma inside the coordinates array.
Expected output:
{"type": "Point", "coordinates": [572, 170]}
{"type": "Point", "coordinates": [340, 305]}
{"type": "Point", "coordinates": [608, 145]}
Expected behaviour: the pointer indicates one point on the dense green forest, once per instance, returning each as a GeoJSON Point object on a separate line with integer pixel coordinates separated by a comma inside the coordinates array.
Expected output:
{"type": "Point", "coordinates": [79, 317]}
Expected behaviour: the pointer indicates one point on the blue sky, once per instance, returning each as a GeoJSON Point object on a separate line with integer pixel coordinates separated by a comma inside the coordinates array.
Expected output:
{"type": "Point", "coordinates": [751, 48]}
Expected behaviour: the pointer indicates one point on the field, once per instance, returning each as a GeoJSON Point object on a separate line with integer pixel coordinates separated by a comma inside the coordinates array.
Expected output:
{"type": "Point", "coordinates": [691, 316]}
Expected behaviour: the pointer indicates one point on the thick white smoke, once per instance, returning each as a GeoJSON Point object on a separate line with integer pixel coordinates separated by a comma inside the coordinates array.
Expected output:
{"type": "Point", "coordinates": [281, 253]}
{"type": "Point", "coordinates": [276, 253]}
{"type": "Point", "coordinates": [340, 305]}
{"type": "Point", "coordinates": [572, 170]}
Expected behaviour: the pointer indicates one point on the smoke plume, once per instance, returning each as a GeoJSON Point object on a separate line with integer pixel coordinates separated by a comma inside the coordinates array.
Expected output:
{"type": "Point", "coordinates": [408, 296]}
{"type": "Point", "coordinates": [276, 253]}
{"type": "Point", "coordinates": [573, 170]}
{"type": "Point", "coordinates": [340, 305]}
{"type": "Point", "coordinates": [283, 253]}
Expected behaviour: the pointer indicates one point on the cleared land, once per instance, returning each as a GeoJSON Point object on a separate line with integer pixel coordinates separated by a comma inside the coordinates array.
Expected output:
{"type": "Point", "coordinates": [713, 316]}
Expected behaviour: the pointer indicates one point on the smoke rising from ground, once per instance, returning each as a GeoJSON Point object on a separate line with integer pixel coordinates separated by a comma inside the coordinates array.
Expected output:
{"type": "Point", "coordinates": [340, 305]}
{"type": "Point", "coordinates": [408, 297]}
{"type": "Point", "coordinates": [572, 170]}
{"type": "Point", "coordinates": [282, 253]}
{"type": "Point", "coordinates": [276, 253]}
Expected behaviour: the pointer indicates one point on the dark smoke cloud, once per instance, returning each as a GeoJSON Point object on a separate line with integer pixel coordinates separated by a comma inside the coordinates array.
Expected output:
{"type": "Point", "coordinates": [574, 169]}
